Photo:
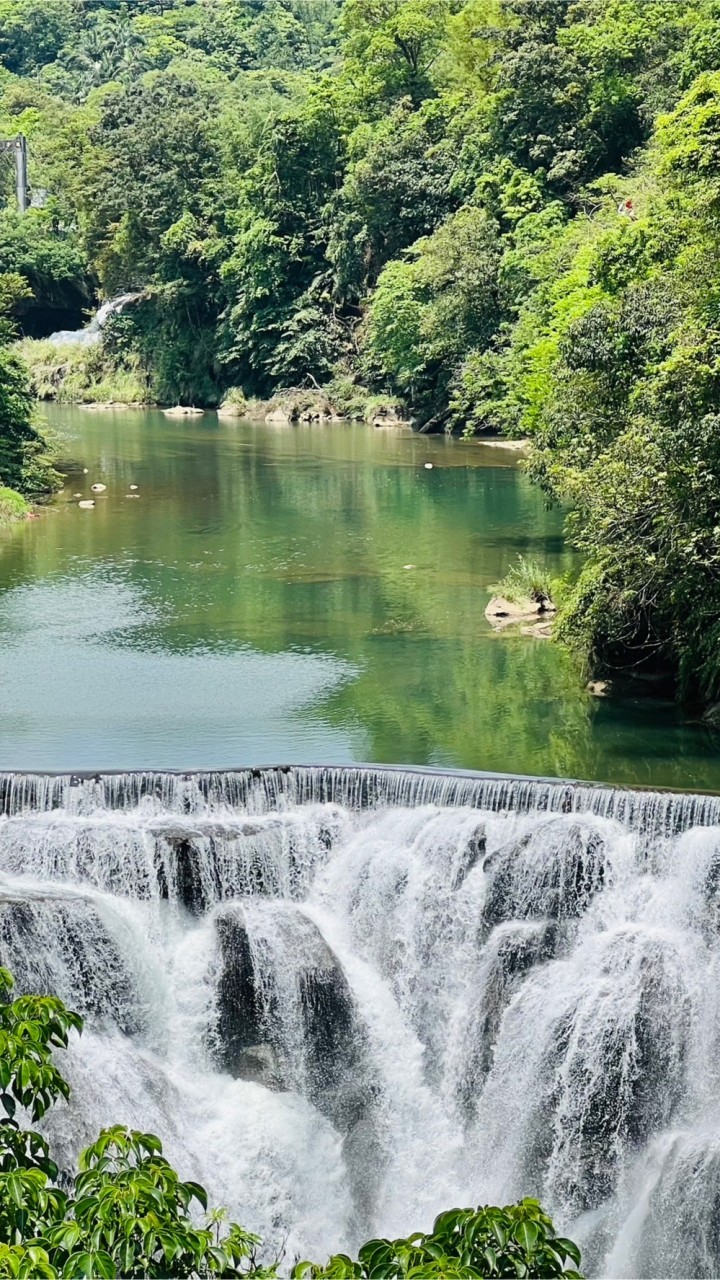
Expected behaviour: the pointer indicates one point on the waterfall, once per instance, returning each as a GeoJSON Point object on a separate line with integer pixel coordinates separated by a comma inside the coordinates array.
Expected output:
{"type": "Point", "coordinates": [347, 998]}
{"type": "Point", "coordinates": [92, 333]}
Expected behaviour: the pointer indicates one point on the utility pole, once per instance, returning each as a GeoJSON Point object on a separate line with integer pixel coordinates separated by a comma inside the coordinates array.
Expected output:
{"type": "Point", "coordinates": [18, 146]}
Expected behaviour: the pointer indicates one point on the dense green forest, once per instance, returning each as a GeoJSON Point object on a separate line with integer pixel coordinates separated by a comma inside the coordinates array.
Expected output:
{"type": "Point", "coordinates": [501, 215]}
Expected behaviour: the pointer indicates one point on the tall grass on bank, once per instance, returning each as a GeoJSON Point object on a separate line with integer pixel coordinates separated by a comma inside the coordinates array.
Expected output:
{"type": "Point", "coordinates": [72, 373]}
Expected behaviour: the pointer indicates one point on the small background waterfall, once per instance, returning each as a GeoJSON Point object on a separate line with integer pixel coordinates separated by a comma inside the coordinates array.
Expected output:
{"type": "Point", "coordinates": [349, 998]}
{"type": "Point", "coordinates": [92, 332]}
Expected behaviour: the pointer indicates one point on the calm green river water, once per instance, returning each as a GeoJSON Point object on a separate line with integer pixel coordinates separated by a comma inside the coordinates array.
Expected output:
{"type": "Point", "coordinates": [254, 604]}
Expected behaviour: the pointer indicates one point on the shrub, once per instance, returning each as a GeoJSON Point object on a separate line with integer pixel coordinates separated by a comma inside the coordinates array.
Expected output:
{"type": "Point", "coordinates": [516, 1241]}
{"type": "Point", "coordinates": [12, 505]}
{"type": "Point", "coordinates": [126, 1212]}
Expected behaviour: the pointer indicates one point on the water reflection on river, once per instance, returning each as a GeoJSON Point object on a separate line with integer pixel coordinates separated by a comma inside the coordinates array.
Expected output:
{"type": "Point", "coordinates": [254, 604]}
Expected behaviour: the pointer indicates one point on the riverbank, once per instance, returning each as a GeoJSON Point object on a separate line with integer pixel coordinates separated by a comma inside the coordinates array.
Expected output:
{"type": "Point", "coordinates": [91, 376]}
{"type": "Point", "coordinates": [84, 374]}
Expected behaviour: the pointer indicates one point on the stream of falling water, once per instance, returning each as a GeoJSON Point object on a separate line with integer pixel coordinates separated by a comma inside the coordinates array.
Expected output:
{"type": "Point", "coordinates": [348, 999]}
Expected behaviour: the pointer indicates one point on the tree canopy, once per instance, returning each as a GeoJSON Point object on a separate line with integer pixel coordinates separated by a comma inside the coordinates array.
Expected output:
{"type": "Point", "coordinates": [502, 213]}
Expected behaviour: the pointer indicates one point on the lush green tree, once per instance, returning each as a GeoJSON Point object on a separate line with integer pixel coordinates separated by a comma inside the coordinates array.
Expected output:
{"type": "Point", "coordinates": [391, 48]}
{"type": "Point", "coordinates": [52, 264]}
{"type": "Point", "coordinates": [397, 188]}
{"type": "Point", "coordinates": [518, 1240]}
{"type": "Point", "coordinates": [24, 464]}
{"type": "Point", "coordinates": [126, 1211]}
{"type": "Point", "coordinates": [432, 307]}
{"type": "Point", "coordinates": [32, 33]}
{"type": "Point", "coordinates": [280, 326]}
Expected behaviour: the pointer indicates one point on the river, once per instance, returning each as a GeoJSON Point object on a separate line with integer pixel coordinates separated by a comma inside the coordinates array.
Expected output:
{"type": "Point", "coordinates": [298, 594]}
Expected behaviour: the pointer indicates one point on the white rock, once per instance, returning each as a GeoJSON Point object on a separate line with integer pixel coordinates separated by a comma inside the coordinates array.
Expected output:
{"type": "Point", "coordinates": [86, 504]}
{"type": "Point", "coordinates": [428, 466]}
{"type": "Point", "coordinates": [98, 488]}
{"type": "Point", "coordinates": [132, 486]}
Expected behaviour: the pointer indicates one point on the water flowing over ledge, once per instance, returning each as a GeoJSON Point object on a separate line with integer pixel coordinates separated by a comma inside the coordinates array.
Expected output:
{"type": "Point", "coordinates": [347, 998]}
{"type": "Point", "coordinates": [356, 787]}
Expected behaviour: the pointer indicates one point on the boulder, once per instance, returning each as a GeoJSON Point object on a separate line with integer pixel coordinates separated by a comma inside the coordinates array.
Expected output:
{"type": "Point", "coordinates": [183, 411]}
{"type": "Point", "coordinates": [552, 873]}
{"type": "Point", "coordinates": [256, 1008]}
{"type": "Point", "coordinates": [599, 688]}
{"type": "Point", "coordinates": [60, 946]}
{"type": "Point", "coordinates": [316, 413]}
{"type": "Point", "coordinates": [387, 416]}
{"type": "Point", "coordinates": [500, 608]}
{"type": "Point", "coordinates": [258, 1063]}
{"type": "Point", "coordinates": [502, 613]}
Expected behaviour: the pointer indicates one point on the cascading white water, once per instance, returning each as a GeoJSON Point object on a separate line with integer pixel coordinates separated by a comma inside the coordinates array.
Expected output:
{"type": "Point", "coordinates": [92, 333]}
{"type": "Point", "coordinates": [347, 999]}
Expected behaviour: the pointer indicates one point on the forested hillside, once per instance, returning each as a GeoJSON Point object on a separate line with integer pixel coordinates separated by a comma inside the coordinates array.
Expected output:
{"type": "Point", "coordinates": [503, 214]}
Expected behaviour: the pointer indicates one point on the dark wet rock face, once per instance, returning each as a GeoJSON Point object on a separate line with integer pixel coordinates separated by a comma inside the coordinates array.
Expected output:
{"type": "Point", "coordinates": [552, 873]}
{"type": "Point", "coordinates": [241, 1014]}
{"type": "Point", "coordinates": [513, 950]}
{"type": "Point", "coordinates": [614, 1084]}
{"type": "Point", "coordinates": [471, 854]}
{"type": "Point", "coordinates": [286, 1019]}
{"type": "Point", "coordinates": [284, 1002]}
{"type": "Point", "coordinates": [61, 946]}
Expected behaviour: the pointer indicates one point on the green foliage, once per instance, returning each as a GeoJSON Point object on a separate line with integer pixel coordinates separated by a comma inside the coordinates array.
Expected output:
{"type": "Point", "coordinates": [84, 374]}
{"type": "Point", "coordinates": [24, 458]}
{"type": "Point", "coordinates": [420, 203]}
{"type": "Point", "coordinates": [518, 1240]}
{"type": "Point", "coordinates": [126, 1212]}
{"type": "Point", "coordinates": [12, 505]}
